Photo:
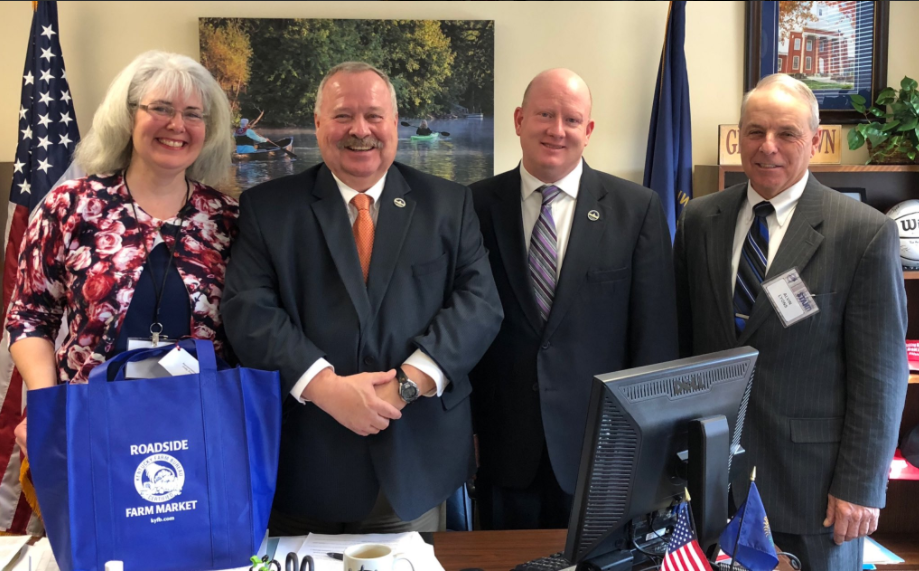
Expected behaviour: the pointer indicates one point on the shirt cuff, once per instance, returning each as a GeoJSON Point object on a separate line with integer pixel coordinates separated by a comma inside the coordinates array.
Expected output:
{"type": "Point", "coordinates": [426, 365]}
{"type": "Point", "coordinates": [304, 380]}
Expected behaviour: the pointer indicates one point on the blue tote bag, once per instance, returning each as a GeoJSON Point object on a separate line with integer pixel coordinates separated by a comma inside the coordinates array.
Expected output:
{"type": "Point", "coordinates": [173, 473]}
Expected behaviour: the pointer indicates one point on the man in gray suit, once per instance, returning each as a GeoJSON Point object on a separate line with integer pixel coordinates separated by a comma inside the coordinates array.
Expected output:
{"type": "Point", "coordinates": [829, 388]}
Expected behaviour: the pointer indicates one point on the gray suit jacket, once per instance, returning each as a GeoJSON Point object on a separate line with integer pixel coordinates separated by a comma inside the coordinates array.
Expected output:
{"type": "Point", "coordinates": [829, 390]}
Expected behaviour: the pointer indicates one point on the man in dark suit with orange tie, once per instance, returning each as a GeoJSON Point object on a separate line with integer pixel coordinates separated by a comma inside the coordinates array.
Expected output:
{"type": "Point", "coordinates": [582, 263]}
{"type": "Point", "coordinates": [366, 283]}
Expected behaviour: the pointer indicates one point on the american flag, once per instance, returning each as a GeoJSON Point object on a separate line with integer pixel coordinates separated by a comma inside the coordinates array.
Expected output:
{"type": "Point", "coordinates": [46, 137]}
{"type": "Point", "coordinates": [684, 553]}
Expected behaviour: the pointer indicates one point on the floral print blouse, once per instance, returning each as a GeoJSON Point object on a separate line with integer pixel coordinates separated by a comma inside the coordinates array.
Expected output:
{"type": "Point", "coordinates": [83, 253]}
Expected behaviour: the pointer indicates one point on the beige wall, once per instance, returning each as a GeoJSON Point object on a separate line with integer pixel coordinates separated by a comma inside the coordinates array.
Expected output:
{"type": "Point", "coordinates": [614, 45]}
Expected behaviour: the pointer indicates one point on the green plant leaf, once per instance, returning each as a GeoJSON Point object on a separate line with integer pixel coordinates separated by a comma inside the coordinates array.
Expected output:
{"type": "Point", "coordinates": [856, 98]}
{"type": "Point", "coordinates": [876, 139]}
{"type": "Point", "coordinates": [913, 102]}
{"type": "Point", "coordinates": [858, 107]}
{"type": "Point", "coordinates": [887, 96]}
{"type": "Point", "coordinates": [890, 125]}
{"type": "Point", "coordinates": [911, 155]}
{"type": "Point", "coordinates": [908, 84]}
{"type": "Point", "coordinates": [909, 124]}
{"type": "Point", "coordinates": [873, 129]}
{"type": "Point", "coordinates": [856, 139]}
{"type": "Point", "coordinates": [877, 112]}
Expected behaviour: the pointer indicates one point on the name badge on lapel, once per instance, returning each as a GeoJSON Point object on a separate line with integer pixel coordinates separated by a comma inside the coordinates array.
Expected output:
{"type": "Point", "coordinates": [790, 297]}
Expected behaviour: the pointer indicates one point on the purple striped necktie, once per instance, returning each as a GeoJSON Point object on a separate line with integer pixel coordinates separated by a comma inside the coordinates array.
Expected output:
{"type": "Point", "coordinates": [543, 258]}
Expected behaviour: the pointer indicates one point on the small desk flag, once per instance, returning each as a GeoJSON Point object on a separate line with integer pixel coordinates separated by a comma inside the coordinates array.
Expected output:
{"type": "Point", "coordinates": [684, 553]}
{"type": "Point", "coordinates": [750, 532]}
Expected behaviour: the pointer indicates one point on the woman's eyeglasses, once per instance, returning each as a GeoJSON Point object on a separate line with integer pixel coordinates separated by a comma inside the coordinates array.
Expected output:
{"type": "Point", "coordinates": [164, 111]}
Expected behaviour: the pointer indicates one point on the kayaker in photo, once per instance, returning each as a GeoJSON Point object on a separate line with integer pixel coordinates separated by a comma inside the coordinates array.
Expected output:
{"type": "Point", "coordinates": [246, 138]}
{"type": "Point", "coordinates": [423, 129]}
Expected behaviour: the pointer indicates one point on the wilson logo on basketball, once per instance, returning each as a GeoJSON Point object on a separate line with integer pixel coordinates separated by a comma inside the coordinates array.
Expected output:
{"type": "Point", "coordinates": [906, 215]}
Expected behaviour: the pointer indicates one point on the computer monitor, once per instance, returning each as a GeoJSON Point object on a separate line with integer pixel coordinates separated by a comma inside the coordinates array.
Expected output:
{"type": "Point", "coordinates": [651, 433]}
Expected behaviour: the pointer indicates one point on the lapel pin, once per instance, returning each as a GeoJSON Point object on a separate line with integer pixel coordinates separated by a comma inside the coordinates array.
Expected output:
{"type": "Point", "coordinates": [593, 215]}
{"type": "Point", "coordinates": [399, 202]}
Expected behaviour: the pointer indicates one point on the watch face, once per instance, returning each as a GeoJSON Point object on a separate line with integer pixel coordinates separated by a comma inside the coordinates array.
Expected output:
{"type": "Point", "coordinates": [408, 391]}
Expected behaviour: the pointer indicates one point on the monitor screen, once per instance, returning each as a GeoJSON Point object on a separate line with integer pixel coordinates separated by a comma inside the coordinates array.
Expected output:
{"type": "Point", "coordinates": [633, 464]}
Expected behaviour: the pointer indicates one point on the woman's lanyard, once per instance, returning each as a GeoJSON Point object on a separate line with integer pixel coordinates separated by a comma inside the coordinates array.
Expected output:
{"type": "Point", "coordinates": [156, 328]}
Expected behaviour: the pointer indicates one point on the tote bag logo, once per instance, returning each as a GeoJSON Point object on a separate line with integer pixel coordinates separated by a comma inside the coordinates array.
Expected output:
{"type": "Point", "coordinates": [159, 478]}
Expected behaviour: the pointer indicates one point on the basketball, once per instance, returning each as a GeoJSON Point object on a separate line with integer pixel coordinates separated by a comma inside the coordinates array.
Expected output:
{"type": "Point", "coordinates": [906, 215]}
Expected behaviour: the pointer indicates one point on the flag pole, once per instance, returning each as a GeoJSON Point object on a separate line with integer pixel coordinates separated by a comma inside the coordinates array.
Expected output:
{"type": "Point", "coordinates": [740, 525]}
{"type": "Point", "coordinates": [692, 518]}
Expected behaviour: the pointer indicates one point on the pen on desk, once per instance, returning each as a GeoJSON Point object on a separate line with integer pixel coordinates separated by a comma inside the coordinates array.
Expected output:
{"type": "Point", "coordinates": [338, 556]}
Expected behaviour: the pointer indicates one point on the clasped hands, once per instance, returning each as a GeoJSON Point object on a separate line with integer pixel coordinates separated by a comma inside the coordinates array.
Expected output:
{"type": "Point", "coordinates": [364, 403]}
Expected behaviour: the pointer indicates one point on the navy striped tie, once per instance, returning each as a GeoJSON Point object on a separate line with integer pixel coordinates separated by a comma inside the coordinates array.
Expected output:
{"type": "Point", "coordinates": [752, 266]}
{"type": "Point", "coordinates": [543, 259]}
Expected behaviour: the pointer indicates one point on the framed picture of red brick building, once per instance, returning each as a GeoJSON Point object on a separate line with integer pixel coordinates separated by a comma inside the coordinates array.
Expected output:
{"type": "Point", "coordinates": [836, 48]}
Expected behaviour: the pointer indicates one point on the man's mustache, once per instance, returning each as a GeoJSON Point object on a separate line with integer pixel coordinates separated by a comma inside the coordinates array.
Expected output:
{"type": "Point", "coordinates": [352, 141]}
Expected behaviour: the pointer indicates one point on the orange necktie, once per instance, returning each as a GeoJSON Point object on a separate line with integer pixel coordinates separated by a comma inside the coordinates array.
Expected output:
{"type": "Point", "coordinates": [363, 231]}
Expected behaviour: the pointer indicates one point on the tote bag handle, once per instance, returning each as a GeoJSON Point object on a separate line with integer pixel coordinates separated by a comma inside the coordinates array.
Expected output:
{"type": "Point", "coordinates": [204, 349]}
{"type": "Point", "coordinates": [98, 404]}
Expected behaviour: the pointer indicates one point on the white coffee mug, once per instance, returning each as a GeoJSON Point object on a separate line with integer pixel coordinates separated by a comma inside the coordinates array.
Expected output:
{"type": "Point", "coordinates": [372, 557]}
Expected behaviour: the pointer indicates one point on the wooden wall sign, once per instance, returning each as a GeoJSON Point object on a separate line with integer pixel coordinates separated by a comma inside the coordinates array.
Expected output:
{"type": "Point", "coordinates": [829, 151]}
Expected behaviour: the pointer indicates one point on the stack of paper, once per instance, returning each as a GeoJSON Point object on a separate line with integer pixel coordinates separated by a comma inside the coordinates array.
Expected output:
{"type": "Point", "coordinates": [877, 554]}
{"type": "Point", "coordinates": [17, 555]}
{"type": "Point", "coordinates": [11, 547]}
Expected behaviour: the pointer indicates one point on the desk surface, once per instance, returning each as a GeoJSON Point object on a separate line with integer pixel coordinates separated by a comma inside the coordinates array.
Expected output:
{"type": "Point", "coordinates": [502, 550]}
{"type": "Point", "coordinates": [495, 550]}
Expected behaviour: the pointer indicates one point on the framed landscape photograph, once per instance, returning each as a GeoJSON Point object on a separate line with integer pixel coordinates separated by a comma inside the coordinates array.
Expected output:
{"type": "Point", "coordinates": [836, 48]}
{"type": "Point", "coordinates": [270, 69]}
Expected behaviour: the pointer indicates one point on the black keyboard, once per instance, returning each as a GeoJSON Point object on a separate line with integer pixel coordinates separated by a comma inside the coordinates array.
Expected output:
{"type": "Point", "coordinates": [555, 562]}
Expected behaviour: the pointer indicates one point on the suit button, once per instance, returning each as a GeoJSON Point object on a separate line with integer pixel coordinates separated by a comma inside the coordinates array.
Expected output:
{"type": "Point", "coordinates": [368, 361]}
{"type": "Point", "coordinates": [546, 345]}
{"type": "Point", "coordinates": [535, 387]}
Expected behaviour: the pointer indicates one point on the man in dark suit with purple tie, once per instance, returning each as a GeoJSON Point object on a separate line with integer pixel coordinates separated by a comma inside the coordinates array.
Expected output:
{"type": "Point", "coordinates": [582, 263]}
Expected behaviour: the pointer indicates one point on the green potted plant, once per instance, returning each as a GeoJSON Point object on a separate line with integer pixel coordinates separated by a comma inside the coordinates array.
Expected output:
{"type": "Point", "coordinates": [893, 137]}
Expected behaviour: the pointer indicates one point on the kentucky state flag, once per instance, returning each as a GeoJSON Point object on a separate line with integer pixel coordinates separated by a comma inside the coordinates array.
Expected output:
{"type": "Point", "coordinates": [752, 545]}
{"type": "Point", "coordinates": [668, 164]}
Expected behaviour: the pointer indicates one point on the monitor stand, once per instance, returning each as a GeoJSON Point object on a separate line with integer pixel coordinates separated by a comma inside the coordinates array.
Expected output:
{"type": "Point", "coordinates": [615, 561]}
{"type": "Point", "coordinates": [709, 451]}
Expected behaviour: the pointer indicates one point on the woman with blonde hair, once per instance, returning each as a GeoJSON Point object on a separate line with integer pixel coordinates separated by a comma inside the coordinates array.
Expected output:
{"type": "Point", "coordinates": [138, 248]}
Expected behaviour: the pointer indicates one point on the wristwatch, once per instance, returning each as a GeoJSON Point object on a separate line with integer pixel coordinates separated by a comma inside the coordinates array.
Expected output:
{"type": "Point", "coordinates": [408, 390]}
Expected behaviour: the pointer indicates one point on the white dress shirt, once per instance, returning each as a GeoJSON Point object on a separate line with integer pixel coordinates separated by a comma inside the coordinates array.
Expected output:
{"type": "Point", "coordinates": [777, 222]}
{"type": "Point", "coordinates": [418, 359]}
{"type": "Point", "coordinates": [562, 207]}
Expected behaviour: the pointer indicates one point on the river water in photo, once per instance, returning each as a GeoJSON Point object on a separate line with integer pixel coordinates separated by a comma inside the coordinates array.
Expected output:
{"type": "Point", "coordinates": [466, 156]}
